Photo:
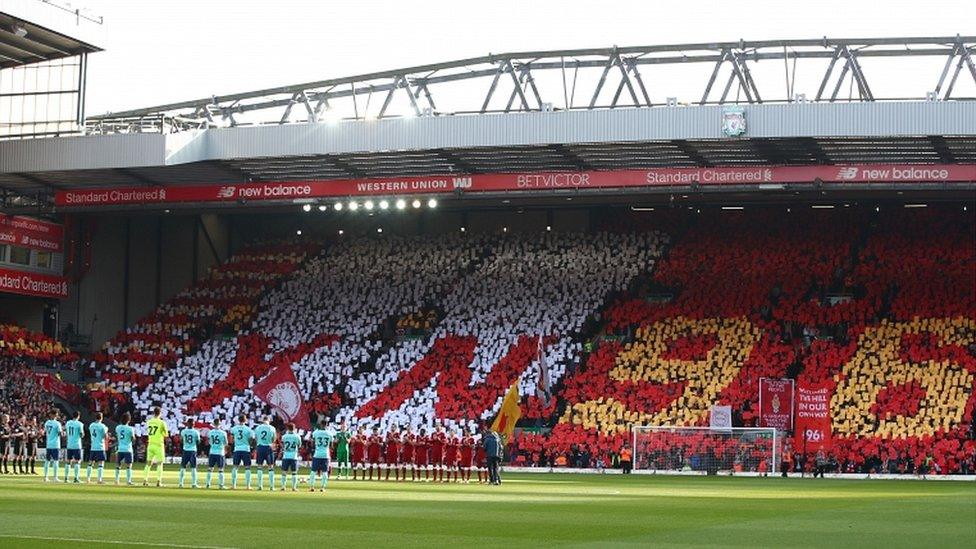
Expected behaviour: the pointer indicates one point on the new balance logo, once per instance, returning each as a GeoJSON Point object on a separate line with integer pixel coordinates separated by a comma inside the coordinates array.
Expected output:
{"type": "Point", "coordinates": [226, 192]}
{"type": "Point", "coordinates": [847, 173]}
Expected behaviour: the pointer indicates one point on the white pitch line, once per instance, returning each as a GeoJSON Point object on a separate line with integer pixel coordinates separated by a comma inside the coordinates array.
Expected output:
{"type": "Point", "coordinates": [114, 542]}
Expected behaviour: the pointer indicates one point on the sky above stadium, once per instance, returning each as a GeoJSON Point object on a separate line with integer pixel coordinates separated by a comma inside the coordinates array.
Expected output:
{"type": "Point", "coordinates": [160, 51]}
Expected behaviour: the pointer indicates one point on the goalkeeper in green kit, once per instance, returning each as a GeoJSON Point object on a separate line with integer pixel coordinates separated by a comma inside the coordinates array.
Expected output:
{"type": "Point", "coordinates": [342, 452]}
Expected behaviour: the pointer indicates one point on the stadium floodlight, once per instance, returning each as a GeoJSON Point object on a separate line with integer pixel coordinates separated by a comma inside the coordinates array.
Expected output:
{"type": "Point", "coordinates": [298, 232]}
{"type": "Point", "coordinates": [432, 203]}
{"type": "Point", "coordinates": [353, 206]}
{"type": "Point", "coordinates": [307, 208]}
{"type": "Point", "coordinates": [504, 229]}
{"type": "Point", "coordinates": [368, 204]}
{"type": "Point", "coordinates": [462, 229]}
{"type": "Point", "coordinates": [697, 449]}
{"type": "Point", "coordinates": [548, 228]}
{"type": "Point", "coordinates": [341, 232]}
{"type": "Point", "coordinates": [416, 203]}
{"type": "Point", "coordinates": [337, 206]}
{"type": "Point", "coordinates": [401, 204]}
{"type": "Point", "coordinates": [322, 207]}
{"type": "Point", "coordinates": [384, 205]}
{"type": "Point", "coordinates": [379, 230]}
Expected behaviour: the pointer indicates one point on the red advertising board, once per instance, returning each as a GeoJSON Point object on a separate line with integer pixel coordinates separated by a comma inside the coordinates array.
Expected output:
{"type": "Point", "coordinates": [776, 403]}
{"type": "Point", "coordinates": [650, 178]}
{"type": "Point", "coordinates": [27, 232]}
{"type": "Point", "coordinates": [33, 284]}
{"type": "Point", "coordinates": [813, 429]}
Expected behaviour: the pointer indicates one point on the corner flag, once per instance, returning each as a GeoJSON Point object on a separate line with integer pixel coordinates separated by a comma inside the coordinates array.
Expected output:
{"type": "Point", "coordinates": [509, 414]}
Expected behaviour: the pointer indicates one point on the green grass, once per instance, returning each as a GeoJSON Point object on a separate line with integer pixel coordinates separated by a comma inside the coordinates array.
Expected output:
{"type": "Point", "coordinates": [527, 510]}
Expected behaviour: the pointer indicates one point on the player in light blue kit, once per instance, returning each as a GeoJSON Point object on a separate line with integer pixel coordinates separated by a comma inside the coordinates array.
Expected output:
{"type": "Point", "coordinates": [265, 436]}
{"type": "Point", "coordinates": [97, 432]}
{"type": "Point", "coordinates": [290, 443]}
{"type": "Point", "coordinates": [75, 431]}
{"type": "Point", "coordinates": [52, 432]}
{"type": "Point", "coordinates": [322, 439]}
{"type": "Point", "coordinates": [191, 438]}
{"type": "Point", "coordinates": [124, 435]}
{"type": "Point", "coordinates": [216, 460]}
{"type": "Point", "coordinates": [242, 434]}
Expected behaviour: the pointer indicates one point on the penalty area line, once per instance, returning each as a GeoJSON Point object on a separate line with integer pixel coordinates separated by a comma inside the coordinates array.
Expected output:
{"type": "Point", "coordinates": [112, 542]}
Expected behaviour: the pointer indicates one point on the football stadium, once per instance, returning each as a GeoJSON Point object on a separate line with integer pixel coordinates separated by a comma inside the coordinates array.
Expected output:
{"type": "Point", "coordinates": [679, 294]}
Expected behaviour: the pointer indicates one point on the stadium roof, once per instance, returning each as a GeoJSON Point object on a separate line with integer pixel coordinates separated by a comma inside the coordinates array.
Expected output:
{"type": "Point", "coordinates": [259, 136]}
{"type": "Point", "coordinates": [33, 31]}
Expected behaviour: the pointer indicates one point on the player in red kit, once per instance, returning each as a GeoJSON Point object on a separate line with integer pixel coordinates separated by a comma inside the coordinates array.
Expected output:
{"type": "Point", "coordinates": [421, 455]}
{"type": "Point", "coordinates": [357, 453]}
{"type": "Point", "coordinates": [392, 453]}
{"type": "Point", "coordinates": [481, 462]}
{"type": "Point", "coordinates": [467, 456]}
{"type": "Point", "coordinates": [437, 441]}
{"type": "Point", "coordinates": [406, 457]}
{"type": "Point", "coordinates": [451, 458]}
{"type": "Point", "coordinates": [374, 447]}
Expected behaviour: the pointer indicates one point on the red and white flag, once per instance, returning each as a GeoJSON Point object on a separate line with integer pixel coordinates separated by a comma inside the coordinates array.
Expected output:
{"type": "Point", "coordinates": [543, 389]}
{"type": "Point", "coordinates": [280, 390]}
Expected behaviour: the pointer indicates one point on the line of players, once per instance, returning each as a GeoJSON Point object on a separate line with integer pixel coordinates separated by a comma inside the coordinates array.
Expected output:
{"type": "Point", "coordinates": [439, 457]}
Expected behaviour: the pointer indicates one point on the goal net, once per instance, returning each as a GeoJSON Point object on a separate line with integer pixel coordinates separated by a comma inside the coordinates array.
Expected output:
{"type": "Point", "coordinates": [703, 449]}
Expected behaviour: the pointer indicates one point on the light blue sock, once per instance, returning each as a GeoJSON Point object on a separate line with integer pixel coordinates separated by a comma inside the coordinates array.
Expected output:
{"type": "Point", "coordinates": [247, 477]}
{"type": "Point", "coordinates": [260, 479]}
{"type": "Point", "coordinates": [325, 480]}
{"type": "Point", "coordinates": [101, 471]}
{"type": "Point", "coordinates": [57, 470]}
{"type": "Point", "coordinates": [284, 480]}
{"type": "Point", "coordinates": [220, 477]}
{"type": "Point", "coordinates": [88, 472]}
{"type": "Point", "coordinates": [78, 471]}
{"type": "Point", "coordinates": [271, 478]}
{"type": "Point", "coordinates": [182, 474]}
{"type": "Point", "coordinates": [45, 470]}
{"type": "Point", "coordinates": [128, 475]}
{"type": "Point", "coordinates": [311, 479]}
{"type": "Point", "coordinates": [117, 473]}
{"type": "Point", "coordinates": [209, 476]}
{"type": "Point", "coordinates": [233, 477]}
{"type": "Point", "coordinates": [193, 475]}
{"type": "Point", "coordinates": [294, 481]}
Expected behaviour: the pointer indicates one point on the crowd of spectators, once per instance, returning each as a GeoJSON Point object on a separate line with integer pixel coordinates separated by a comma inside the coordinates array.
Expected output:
{"type": "Point", "coordinates": [881, 306]}
{"type": "Point", "coordinates": [223, 301]}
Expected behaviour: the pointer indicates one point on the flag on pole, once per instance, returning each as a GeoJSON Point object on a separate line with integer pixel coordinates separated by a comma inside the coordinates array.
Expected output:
{"type": "Point", "coordinates": [280, 390]}
{"type": "Point", "coordinates": [543, 390]}
{"type": "Point", "coordinates": [510, 413]}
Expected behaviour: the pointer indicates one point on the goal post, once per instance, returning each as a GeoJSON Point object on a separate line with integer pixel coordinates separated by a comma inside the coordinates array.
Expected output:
{"type": "Point", "coordinates": [706, 450]}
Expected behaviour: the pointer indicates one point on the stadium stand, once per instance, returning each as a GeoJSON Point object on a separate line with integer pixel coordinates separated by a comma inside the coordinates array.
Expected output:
{"type": "Point", "coordinates": [225, 300]}
{"type": "Point", "coordinates": [412, 332]}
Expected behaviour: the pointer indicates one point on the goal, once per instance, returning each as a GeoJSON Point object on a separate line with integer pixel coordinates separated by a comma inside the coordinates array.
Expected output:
{"type": "Point", "coordinates": [706, 450]}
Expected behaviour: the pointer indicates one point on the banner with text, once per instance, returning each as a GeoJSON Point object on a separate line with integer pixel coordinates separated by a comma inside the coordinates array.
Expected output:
{"type": "Point", "coordinates": [33, 284]}
{"type": "Point", "coordinates": [27, 232]}
{"type": "Point", "coordinates": [813, 429]}
{"type": "Point", "coordinates": [776, 403]}
{"type": "Point", "coordinates": [55, 386]}
{"type": "Point", "coordinates": [649, 178]}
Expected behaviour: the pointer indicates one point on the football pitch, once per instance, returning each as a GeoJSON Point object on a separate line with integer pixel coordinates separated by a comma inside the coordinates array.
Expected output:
{"type": "Point", "coordinates": [536, 510]}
